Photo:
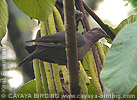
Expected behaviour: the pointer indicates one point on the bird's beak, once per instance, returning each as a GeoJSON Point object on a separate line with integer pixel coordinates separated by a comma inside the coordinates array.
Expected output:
{"type": "Point", "coordinates": [107, 36]}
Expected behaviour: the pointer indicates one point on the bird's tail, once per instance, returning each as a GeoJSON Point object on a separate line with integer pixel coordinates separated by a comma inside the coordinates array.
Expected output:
{"type": "Point", "coordinates": [31, 56]}
{"type": "Point", "coordinates": [27, 59]}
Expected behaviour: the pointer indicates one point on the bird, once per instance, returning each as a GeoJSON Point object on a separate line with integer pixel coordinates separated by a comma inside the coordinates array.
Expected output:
{"type": "Point", "coordinates": [51, 48]}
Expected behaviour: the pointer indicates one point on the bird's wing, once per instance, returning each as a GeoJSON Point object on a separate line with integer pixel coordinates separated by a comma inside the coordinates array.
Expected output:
{"type": "Point", "coordinates": [53, 38]}
{"type": "Point", "coordinates": [57, 39]}
{"type": "Point", "coordinates": [80, 40]}
{"type": "Point", "coordinates": [52, 45]}
{"type": "Point", "coordinates": [30, 49]}
{"type": "Point", "coordinates": [32, 55]}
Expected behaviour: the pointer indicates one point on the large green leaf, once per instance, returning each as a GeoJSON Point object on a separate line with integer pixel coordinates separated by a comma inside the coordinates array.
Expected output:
{"type": "Point", "coordinates": [129, 20]}
{"type": "Point", "coordinates": [38, 9]}
{"type": "Point", "coordinates": [120, 67]}
{"type": "Point", "coordinates": [26, 92]}
{"type": "Point", "coordinates": [3, 18]}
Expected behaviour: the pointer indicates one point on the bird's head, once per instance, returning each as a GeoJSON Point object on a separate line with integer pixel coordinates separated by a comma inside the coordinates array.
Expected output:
{"type": "Point", "coordinates": [96, 34]}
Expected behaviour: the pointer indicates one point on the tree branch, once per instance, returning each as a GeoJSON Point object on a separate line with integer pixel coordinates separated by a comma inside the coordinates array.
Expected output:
{"type": "Point", "coordinates": [71, 49]}
{"type": "Point", "coordinates": [99, 21]}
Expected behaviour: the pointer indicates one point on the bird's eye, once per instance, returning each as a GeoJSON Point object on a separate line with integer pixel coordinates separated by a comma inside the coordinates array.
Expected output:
{"type": "Point", "coordinates": [98, 30]}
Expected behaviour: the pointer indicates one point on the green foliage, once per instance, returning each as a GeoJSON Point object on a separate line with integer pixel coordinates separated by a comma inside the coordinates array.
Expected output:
{"type": "Point", "coordinates": [133, 3]}
{"type": "Point", "coordinates": [130, 19]}
{"type": "Point", "coordinates": [28, 89]}
{"type": "Point", "coordinates": [105, 48]}
{"type": "Point", "coordinates": [119, 72]}
{"type": "Point", "coordinates": [38, 9]}
{"type": "Point", "coordinates": [3, 18]}
{"type": "Point", "coordinates": [134, 92]}
{"type": "Point", "coordinates": [85, 62]}
{"type": "Point", "coordinates": [92, 91]}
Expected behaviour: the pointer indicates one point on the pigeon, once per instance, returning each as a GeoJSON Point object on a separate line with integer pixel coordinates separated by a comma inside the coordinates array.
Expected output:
{"type": "Point", "coordinates": [51, 48]}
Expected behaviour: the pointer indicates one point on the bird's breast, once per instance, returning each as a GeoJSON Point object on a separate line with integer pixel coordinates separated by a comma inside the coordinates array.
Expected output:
{"type": "Point", "coordinates": [82, 51]}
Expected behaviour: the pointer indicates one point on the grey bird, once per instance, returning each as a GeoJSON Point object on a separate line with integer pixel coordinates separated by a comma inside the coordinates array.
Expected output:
{"type": "Point", "coordinates": [51, 48]}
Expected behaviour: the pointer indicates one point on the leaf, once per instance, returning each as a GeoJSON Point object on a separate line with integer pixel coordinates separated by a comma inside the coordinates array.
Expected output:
{"type": "Point", "coordinates": [109, 93]}
{"type": "Point", "coordinates": [134, 93]}
{"type": "Point", "coordinates": [120, 67]}
{"type": "Point", "coordinates": [129, 20]}
{"type": "Point", "coordinates": [133, 3]}
{"type": "Point", "coordinates": [105, 48]}
{"type": "Point", "coordinates": [26, 92]}
{"type": "Point", "coordinates": [3, 18]}
{"type": "Point", "coordinates": [92, 91]}
{"type": "Point", "coordinates": [38, 9]}
{"type": "Point", "coordinates": [85, 62]}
